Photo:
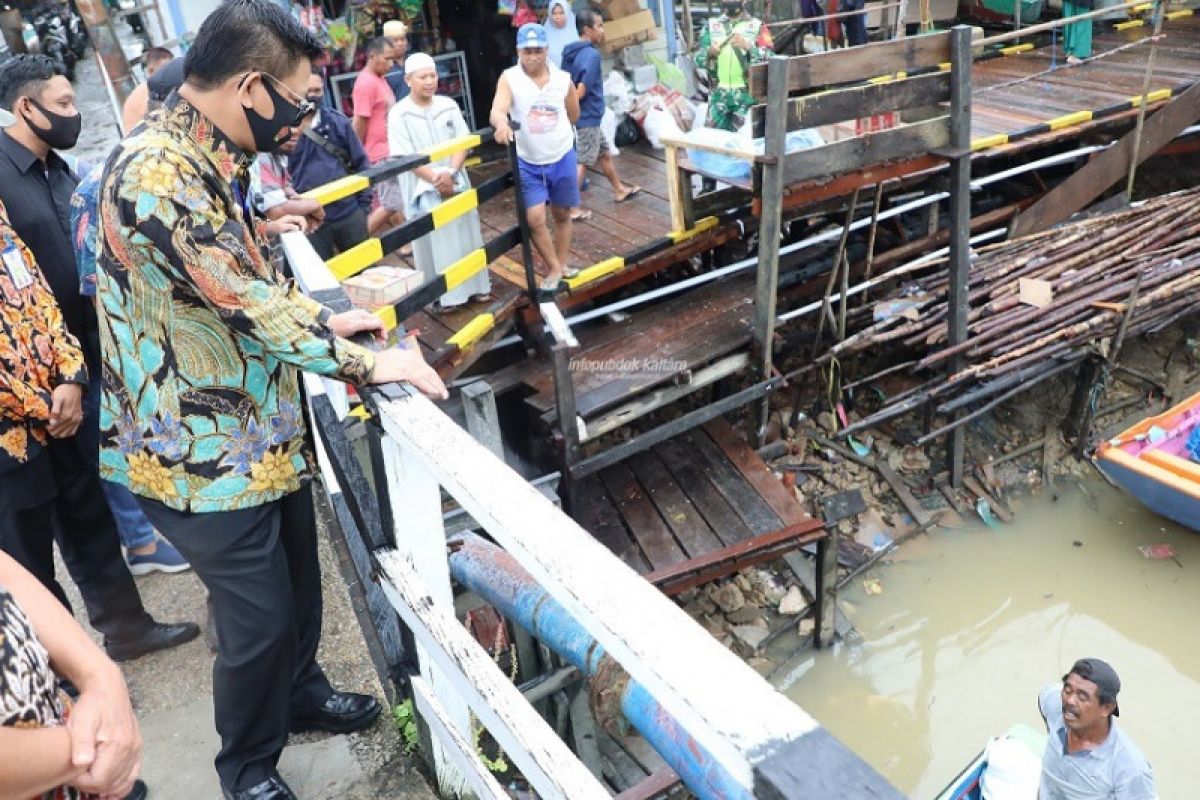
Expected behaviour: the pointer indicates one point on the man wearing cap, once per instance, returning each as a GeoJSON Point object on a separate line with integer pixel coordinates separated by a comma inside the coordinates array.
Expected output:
{"type": "Point", "coordinates": [396, 32]}
{"type": "Point", "coordinates": [1088, 757]}
{"type": "Point", "coordinates": [541, 99]}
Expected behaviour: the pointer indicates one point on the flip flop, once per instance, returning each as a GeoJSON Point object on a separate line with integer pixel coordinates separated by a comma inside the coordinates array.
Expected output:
{"type": "Point", "coordinates": [633, 191]}
{"type": "Point", "coordinates": [482, 297]}
{"type": "Point", "coordinates": [582, 216]}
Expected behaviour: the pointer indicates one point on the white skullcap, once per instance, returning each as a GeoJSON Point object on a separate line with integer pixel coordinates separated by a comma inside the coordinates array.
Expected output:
{"type": "Point", "coordinates": [417, 62]}
{"type": "Point", "coordinates": [393, 28]}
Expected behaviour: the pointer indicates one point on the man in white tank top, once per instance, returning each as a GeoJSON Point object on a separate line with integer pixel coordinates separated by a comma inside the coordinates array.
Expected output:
{"type": "Point", "coordinates": [541, 99]}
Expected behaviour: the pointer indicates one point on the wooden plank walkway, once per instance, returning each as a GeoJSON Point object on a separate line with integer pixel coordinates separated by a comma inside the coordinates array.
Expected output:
{"type": "Point", "coordinates": [690, 496]}
{"type": "Point", "coordinates": [615, 229]}
{"type": "Point", "coordinates": [1017, 91]}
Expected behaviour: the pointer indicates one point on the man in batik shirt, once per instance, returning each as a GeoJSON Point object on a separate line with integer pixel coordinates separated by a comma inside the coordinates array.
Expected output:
{"type": "Point", "coordinates": [728, 46]}
{"type": "Point", "coordinates": [204, 341]}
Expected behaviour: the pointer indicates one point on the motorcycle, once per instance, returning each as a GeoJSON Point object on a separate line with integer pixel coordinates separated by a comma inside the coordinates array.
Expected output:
{"type": "Point", "coordinates": [54, 41]}
{"type": "Point", "coordinates": [77, 32]}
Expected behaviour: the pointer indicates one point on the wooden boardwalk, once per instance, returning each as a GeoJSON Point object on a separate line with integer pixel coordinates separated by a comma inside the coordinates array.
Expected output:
{"type": "Point", "coordinates": [1018, 91]}
{"type": "Point", "coordinates": [615, 229]}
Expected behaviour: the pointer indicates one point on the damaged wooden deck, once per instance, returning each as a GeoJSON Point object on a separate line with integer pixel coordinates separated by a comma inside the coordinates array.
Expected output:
{"type": "Point", "coordinates": [701, 493]}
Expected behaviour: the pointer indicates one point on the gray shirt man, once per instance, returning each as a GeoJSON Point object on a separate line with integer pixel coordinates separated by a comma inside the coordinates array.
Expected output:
{"type": "Point", "coordinates": [1116, 770]}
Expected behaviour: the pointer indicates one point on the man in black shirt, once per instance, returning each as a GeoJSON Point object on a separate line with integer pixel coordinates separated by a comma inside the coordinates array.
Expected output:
{"type": "Point", "coordinates": [36, 185]}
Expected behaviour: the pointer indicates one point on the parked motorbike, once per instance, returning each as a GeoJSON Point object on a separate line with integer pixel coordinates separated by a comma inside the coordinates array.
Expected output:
{"type": "Point", "coordinates": [52, 33]}
{"type": "Point", "coordinates": [77, 32]}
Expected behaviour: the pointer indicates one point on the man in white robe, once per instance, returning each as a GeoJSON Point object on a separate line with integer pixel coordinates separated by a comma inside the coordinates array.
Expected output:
{"type": "Point", "coordinates": [421, 120]}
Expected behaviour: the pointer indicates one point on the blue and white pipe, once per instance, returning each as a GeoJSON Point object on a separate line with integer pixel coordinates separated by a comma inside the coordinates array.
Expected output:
{"type": "Point", "coordinates": [498, 578]}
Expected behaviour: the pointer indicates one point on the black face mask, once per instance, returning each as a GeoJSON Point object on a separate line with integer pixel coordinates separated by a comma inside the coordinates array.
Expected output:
{"type": "Point", "coordinates": [266, 130]}
{"type": "Point", "coordinates": [63, 132]}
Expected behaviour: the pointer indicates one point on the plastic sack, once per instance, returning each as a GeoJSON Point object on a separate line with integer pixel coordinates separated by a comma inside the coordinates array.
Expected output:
{"type": "Point", "coordinates": [669, 75]}
{"type": "Point", "coordinates": [1013, 771]}
{"type": "Point", "coordinates": [716, 164]}
{"type": "Point", "coordinates": [608, 126]}
{"type": "Point", "coordinates": [618, 94]}
{"type": "Point", "coordinates": [659, 123]}
{"type": "Point", "coordinates": [627, 133]}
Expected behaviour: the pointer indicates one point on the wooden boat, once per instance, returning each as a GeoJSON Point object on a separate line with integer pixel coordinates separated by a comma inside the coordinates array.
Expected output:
{"type": "Point", "coordinates": [1152, 462]}
{"type": "Point", "coordinates": [967, 785]}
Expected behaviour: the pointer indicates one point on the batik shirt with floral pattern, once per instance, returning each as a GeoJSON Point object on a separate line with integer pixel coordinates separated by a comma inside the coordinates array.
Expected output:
{"type": "Point", "coordinates": [36, 351]}
{"type": "Point", "coordinates": [202, 338]}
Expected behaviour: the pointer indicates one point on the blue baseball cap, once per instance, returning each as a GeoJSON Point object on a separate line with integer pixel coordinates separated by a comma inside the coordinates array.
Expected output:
{"type": "Point", "coordinates": [532, 34]}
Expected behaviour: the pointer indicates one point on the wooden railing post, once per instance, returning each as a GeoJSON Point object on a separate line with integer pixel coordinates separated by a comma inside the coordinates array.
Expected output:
{"type": "Point", "coordinates": [960, 218]}
{"type": "Point", "coordinates": [767, 280]}
{"type": "Point", "coordinates": [420, 536]}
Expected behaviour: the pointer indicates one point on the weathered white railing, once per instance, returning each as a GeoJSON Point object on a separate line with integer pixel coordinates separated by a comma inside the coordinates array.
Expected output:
{"type": "Point", "coordinates": [725, 706]}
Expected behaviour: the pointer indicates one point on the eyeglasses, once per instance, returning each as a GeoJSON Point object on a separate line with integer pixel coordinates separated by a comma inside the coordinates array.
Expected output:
{"type": "Point", "coordinates": [304, 108]}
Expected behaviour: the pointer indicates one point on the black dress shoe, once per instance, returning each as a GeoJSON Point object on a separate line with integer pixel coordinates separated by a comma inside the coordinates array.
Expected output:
{"type": "Point", "coordinates": [138, 792]}
{"type": "Point", "coordinates": [343, 712]}
{"type": "Point", "coordinates": [273, 788]}
{"type": "Point", "coordinates": [160, 636]}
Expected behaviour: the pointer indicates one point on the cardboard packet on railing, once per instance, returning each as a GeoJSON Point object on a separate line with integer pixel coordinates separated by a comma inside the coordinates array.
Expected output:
{"type": "Point", "coordinates": [381, 286]}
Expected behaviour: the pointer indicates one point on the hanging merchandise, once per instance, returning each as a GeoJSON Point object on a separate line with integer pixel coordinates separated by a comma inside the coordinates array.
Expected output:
{"type": "Point", "coordinates": [523, 15]}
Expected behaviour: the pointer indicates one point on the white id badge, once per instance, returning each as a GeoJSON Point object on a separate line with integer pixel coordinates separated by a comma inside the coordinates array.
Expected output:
{"type": "Point", "coordinates": [14, 262]}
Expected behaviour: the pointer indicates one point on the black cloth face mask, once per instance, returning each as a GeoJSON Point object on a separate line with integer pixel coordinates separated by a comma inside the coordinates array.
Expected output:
{"type": "Point", "coordinates": [266, 130]}
{"type": "Point", "coordinates": [63, 132]}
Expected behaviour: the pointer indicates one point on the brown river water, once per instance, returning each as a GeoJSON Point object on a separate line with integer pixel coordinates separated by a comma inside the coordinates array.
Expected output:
{"type": "Point", "coordinates": [972, 622]}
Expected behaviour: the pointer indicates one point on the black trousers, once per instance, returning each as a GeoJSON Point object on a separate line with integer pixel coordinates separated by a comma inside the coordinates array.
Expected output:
{"type": "Point", "coordinates": [260, 568]}
{"type": "Point", "coordinates": [74, 513]}
{"type": "Point", "coordinates": [339, 236]}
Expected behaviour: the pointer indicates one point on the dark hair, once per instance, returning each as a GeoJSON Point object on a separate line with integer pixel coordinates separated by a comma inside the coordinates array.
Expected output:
{"type": "Point", "coordinates": [378, 45]}
{"type": "Point", "coordinates": [585, 19]}
{"type": "Point", "coordinates": [247, 36]}
{"type": "Point", "coordinates": [157, 55]}
{"type": "Point", "coordinates": [1103, 696]}
{"type": "Point", "coordinates": [25, 76]}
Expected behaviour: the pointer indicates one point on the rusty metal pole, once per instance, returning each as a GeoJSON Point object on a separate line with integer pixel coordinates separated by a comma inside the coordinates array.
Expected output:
{"type": "Point", "coordinates": [108, 48]}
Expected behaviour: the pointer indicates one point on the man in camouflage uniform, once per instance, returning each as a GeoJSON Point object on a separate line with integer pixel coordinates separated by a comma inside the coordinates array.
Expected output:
{"type": "Point", "coordinates": [728, 46]}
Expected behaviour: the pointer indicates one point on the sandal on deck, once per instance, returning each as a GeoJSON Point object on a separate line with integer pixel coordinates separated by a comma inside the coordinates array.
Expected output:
{"type": "Point", "coordinates": [633, 192]}
{"type": "Point", "coordinates": [583, 215]}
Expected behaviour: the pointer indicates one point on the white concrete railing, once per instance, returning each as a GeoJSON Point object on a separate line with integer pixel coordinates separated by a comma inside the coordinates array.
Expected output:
{"type": "Point", "coordinates": [726, 706]}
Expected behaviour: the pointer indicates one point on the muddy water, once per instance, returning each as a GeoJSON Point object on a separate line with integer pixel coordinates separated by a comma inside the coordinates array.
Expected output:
{"type": "Point", "coordinates": [971, 623]}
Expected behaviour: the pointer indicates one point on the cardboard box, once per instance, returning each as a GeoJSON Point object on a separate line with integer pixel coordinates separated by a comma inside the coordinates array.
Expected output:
{"type": "Point", "coordinates": [616, 9]}
{"type": "Point", "coordinates": [629, 30]}
{"type": "Point", "coordinates": [381, 286]}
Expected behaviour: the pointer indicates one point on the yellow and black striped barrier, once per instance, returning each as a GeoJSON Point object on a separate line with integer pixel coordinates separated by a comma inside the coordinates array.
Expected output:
{"type": "Point", "coordinates": [455, 275]}
{"type": "Point", "coordinates": [479, 327]}
{"type": "Point", "coordinates": [365, 253]}
{"type": "Point", "coordinates": [1138, 23]}
{"type": "Point", "coordinates": [342, 188]}
{"type": "Point", "coordinates": [1075, 118]}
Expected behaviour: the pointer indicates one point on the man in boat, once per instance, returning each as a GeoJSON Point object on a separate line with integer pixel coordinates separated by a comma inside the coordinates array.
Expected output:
{"type": "Point", "coordinates": [729, 46]}
{"type": "Point", "coordinates": [541, 99]}
{"type": "Point", "coordinates": [1088, 757]}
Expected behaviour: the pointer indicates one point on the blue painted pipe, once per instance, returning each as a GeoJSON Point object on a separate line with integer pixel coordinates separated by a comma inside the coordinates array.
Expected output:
{"type": "Point", "coordinates": [494, 575]}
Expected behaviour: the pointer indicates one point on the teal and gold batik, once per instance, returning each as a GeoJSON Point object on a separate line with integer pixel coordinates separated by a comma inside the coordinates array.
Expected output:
{"type": "Point", "coordinates": [203, 340]}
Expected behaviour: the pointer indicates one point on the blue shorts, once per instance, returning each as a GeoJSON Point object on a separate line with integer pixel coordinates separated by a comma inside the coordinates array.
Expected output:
{"type": "Point", "coordinates": [557, 182]}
